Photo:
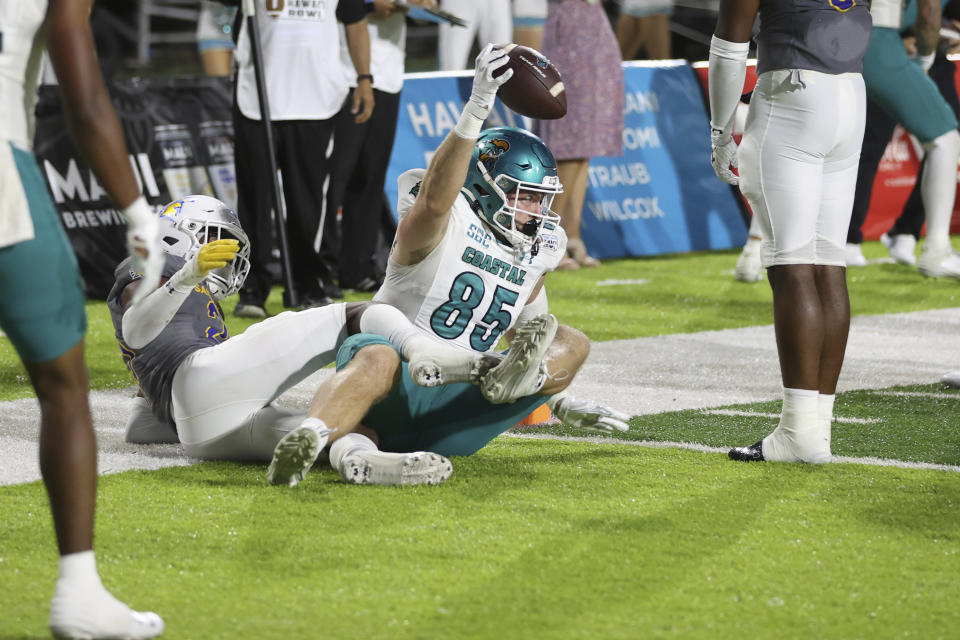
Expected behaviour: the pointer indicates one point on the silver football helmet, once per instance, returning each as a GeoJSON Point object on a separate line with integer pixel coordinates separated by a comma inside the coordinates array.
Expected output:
{"type": "Point", "coordinates": [188, 223]}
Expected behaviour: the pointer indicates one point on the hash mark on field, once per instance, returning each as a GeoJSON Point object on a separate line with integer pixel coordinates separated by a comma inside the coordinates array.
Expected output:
{"type": "Point", "coordinates": [919, 394]}
{"type": "Point", "coordinates": [611, 283]}
{"type": "Point", "coordinates": [776, 416]}
{"type": "Point", "coordinates": [702, 448]}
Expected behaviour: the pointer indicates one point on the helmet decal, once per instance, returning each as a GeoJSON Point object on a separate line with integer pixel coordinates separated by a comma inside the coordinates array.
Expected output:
{"type": "Point", "coordinates": [496, 148]}
{"type": "Point", "coordinates": [172, 209]}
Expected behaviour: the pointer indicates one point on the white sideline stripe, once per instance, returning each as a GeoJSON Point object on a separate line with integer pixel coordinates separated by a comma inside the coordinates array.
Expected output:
{"type": "Point", "coordinates": [776, 416]}
{"type": "Point", "coordinates": [919, 394]}
{"type": "Point", "coordinates": [614, 283]}
{"type": "Point", "coordinates": [702, 448]}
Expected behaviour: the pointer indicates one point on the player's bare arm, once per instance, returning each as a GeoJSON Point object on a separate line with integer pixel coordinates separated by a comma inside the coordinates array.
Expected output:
{"type": "Point", "coordinates": [95, 127]}
{"type": "Point", "coordinates": [927, 28]}
{"type": "Point", "coordinates": [735, 19]}
{"type": "Point", "coordinates": [358, 45]}
{"type": "Point", "coordinates": [422, 228]}
{"type": "Point", "coordinates": [90, 117]}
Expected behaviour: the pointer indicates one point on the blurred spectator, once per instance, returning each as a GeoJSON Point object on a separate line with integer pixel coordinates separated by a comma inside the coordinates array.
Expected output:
{"type": "Point", "coordinates": [215, 37]}
{"type": "Point", "coordinates": [901, 239]}
{"type": "Point", "coordinates": [487, 21]}
{"type": "Point", "coordinates": [644, 24]}
{"type": "Point", "coordinates": [306, 86]}
{"type": "Point", "coordinates": [361, 151]}
{"type": "Point", "coordinates": [578, 39]}
{"type": "Point", "coordinates": [528, 19]}
{"type": "Point", "coordinates": [897, 82]}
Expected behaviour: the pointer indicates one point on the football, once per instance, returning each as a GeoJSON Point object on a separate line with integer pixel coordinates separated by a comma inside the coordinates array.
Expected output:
{"type": "Point", "coordinates": [535, 90]}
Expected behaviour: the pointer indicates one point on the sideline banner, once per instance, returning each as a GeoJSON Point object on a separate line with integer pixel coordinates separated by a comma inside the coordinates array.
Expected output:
{"type": "Point", "coordinates": [661, 196]}
{"type": "Point", "coordinates": [180, 136]}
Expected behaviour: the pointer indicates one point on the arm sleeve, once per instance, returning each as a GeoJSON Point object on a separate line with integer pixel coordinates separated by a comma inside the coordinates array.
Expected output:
{"type": "Point", "coordinates": [144, 321]}
{"type": "Point", "coordinates": [728, 68]}
{"type": "Point", "coordinates": [350, 11]}
{"type": "Point", "coordinates": [533, 308]}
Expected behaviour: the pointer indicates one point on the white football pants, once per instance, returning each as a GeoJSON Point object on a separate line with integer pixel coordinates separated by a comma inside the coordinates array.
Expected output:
{"type": "Point", "coordinates": [221, 394]}
{"type": "Point", "coordinates": [798, 163]}
{"type": "Point", "coordinates": [487, 20]}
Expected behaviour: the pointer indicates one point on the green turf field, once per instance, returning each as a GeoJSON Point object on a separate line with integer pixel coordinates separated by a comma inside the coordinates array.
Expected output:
{"type": "Point", "coordinates": [551, 538]}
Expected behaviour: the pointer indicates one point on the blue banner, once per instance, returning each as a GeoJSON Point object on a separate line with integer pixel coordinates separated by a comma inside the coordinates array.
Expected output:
{"type": "Point", "coordinates": [660, 196]}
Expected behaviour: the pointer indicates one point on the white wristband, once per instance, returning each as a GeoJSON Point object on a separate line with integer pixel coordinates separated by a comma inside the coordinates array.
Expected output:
{"type": "Point", "coordinates": [471, 120]}
{"type": "Point", "coordinates": [926, 61]}
{"type": "Point", "coordinates": [137, 210]}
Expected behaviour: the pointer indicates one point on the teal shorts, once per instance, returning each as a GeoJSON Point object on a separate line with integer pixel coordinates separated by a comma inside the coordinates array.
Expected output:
{"type": "Point", "coordinates": [901, 87]}
{"type": "Point", "coordinates": [452, 420]}
{"type": "Point", "coordinates": [40, 287]}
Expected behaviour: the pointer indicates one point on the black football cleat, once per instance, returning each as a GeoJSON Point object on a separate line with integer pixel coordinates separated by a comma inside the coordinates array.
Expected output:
{"type": "Point", "coordinates": [753, 453]}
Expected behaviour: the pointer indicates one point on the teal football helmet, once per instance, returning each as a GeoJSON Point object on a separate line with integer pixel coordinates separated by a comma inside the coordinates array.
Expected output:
{"type": "Point", "coordinates": [508, 166]}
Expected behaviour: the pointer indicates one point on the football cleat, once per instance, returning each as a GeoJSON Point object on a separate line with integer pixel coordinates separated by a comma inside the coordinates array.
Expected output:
{"type": "Point", "coordinates": [749, 268]}
{"type": "Point", "coordinates": [853, 254]}
{"type": "Point", "coordinates": [295, 454]}
{"type": "Point", "coordinates": [902, 247]}
{"type": "Point", "coordinates": [939, 263]}
{"type": "Point", "coordinates": [522, 372]}
{"type": "Point", "coordinates": [92, 612]}
{"type": "Point", "coordinates": [444, 365]}
{"type": "Point", "coordinates": [753, 453]}
{"type": "Point", "coordinates": [394, 469]}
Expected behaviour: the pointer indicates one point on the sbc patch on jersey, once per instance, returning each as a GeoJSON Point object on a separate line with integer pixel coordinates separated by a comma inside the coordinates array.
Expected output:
{"type": "Point", "coordinates": [550, 241]}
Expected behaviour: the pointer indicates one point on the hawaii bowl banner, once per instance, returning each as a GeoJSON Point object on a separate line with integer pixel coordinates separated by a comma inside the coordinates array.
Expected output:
{"type": "Point", "coordinates": [661, 195]}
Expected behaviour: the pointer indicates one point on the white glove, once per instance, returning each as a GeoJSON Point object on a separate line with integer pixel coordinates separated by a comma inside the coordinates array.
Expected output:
{"type": "Point", "coordinates": [484, 92]}
{"type": "Point", "coordinates": [143, 245]}
{"type": "Point", "coordinates": [484, 84]}
{"type": "Point", "coordinates": [590, 415]}
{"type": "Point", "coordinates": [724, 156]}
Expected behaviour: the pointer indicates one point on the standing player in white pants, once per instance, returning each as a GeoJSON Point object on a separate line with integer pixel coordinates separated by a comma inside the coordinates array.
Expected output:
{"type": "Point", "coordinates": [42, 313]}
{"type": "Point", "coordinates": [798, 168]}
{"type": "Point", "coordinates": [487, 21]}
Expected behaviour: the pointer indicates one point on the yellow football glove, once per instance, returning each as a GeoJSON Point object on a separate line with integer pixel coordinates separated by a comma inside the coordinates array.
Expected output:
{"type": "Point", "coordinates": [216, 254]}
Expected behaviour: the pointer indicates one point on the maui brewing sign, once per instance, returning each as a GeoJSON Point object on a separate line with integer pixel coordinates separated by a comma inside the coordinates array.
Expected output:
{"type": "Point", "coordinates": [660, 196]}
{"type": "Point", "coordinates": [180, 138]}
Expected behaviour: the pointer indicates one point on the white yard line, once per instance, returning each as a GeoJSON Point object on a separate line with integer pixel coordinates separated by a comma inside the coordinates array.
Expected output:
{"type": "Point", "coordinates": [702, 448]}
{"type": "Point", "coordinates": [640, 377]}
{"type": "Point", "coordinates": [776, 416]}
{"type": "Point", "coordinates": [920, 394]}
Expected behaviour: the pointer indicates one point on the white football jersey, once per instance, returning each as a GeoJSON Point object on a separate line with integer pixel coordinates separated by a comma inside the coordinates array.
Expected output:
{"type": "Point", "coordinates": [887, 13]}
{"type": "Point", "coordinates": [301, 58]}
{"type": "Point", "coordinates": [470, 288]}
{"type": "Point", "coordinates": [21, 52]}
